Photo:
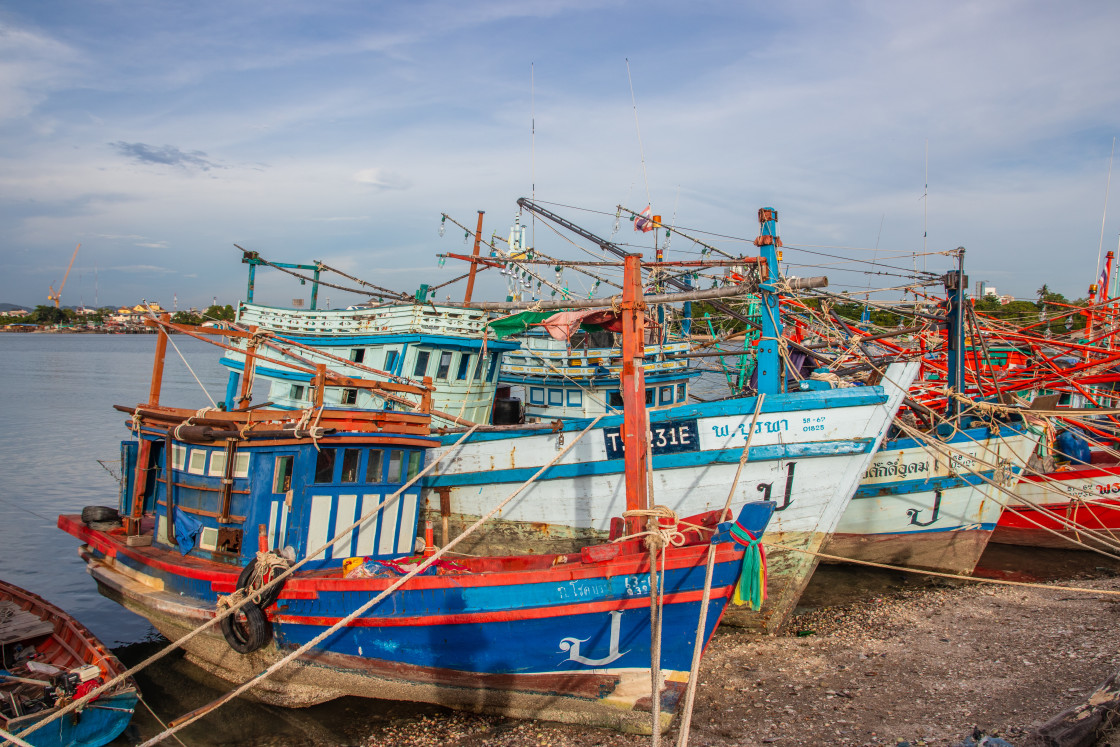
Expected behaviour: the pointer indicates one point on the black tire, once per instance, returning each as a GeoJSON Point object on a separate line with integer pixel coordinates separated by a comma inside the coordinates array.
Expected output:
{"type": "Point", "coordinates": [99, 513]}
{"type": "Point", "coordinates": [103, 526]}
{"type": "Point", "coordinates": [247, 629]}
{"type": "Point", "coordinates": [267, 598]}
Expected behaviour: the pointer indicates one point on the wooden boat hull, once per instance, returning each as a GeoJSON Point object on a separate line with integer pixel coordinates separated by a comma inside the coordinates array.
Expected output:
{"type": "Point", "coordinates": [1061, 506]}
{"type": "Point", "coordinates": [71, 644]}
{"type": "Point", "coordinates": [918, 509]}
{"type": "Point", "coordinates": [567, 641]}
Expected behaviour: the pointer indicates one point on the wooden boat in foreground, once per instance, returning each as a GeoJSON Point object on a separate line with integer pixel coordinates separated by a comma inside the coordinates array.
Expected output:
{"type": "Point", "coordinates": [50, 658]}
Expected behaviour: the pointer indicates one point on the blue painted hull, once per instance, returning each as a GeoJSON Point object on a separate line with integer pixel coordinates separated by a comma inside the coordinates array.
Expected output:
{"type": "Point", "coordinates": [556, 637]}
{"type": "Point", "coordinates": [100, 723]}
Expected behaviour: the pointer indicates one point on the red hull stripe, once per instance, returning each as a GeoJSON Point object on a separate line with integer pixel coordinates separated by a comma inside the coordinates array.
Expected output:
{"type": "Point", "coordinates": [1079, 474]}
{"type": "Point", "coordinates": [535, 613]}
{"type": "Point", "coordinates": [306, 587]}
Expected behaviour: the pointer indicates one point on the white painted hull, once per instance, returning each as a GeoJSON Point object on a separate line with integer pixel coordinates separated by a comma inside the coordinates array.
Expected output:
{"type": "Point", "coordinates": [921, 508]}
{"type": "Point", "coordinates": [809, 452]}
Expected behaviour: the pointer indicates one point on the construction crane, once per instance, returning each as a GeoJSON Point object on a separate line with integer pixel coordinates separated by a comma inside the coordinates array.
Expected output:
{"type": "Point", "coordinates": [57, 295]}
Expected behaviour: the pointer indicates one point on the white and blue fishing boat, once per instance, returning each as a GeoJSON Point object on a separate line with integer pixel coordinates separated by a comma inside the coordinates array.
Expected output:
{"type": "Point", "coordinates": [392, 342]}
{"type": "Point", "coordinates": [931, 498]}
{"type": "Point", "coordinates": [809, 447]}
{"type": "Point", "coordinates": [572, 370]}
{"type": "Point", "coordinates": [221, 501]}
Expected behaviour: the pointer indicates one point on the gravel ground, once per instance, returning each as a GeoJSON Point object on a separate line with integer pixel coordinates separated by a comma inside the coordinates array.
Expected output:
{"type": "Point", "coordinates": [924, 666]}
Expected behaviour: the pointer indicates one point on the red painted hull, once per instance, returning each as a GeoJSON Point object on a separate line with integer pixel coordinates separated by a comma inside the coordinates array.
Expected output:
{"type": "Point", "coordinates": [1067, 510]}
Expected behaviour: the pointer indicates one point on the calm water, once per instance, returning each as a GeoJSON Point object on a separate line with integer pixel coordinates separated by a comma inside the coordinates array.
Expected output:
{"type": "Point", "coordinates": [56, 422]}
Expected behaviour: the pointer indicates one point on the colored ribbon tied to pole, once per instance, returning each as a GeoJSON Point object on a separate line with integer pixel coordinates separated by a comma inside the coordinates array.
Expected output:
{"type": "Point", "coordinates": [751, 588]}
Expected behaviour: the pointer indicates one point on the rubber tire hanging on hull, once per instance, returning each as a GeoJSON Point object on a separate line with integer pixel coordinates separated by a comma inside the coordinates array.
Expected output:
{"type": "Point", "coordinates": [247, 629]}
{"type": "Point", "coordinates": [100, 513]}
{"type": "Point", "coordinates": [268, 597]}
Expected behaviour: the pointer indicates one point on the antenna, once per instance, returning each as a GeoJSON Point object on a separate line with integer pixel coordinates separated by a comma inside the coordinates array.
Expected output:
{"type": "Point", "coordinates": [1107, 185]}
{"type": "Point", "coordinates": [925, 213]}
{"type": "Point", "coordinates": [533, 146]}
{"type": "Point", "coordinates": [641, 148]}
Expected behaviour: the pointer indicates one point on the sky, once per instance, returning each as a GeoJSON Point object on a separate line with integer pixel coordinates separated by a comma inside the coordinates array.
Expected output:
{"type": "Point", "coordinates": [160, 134]}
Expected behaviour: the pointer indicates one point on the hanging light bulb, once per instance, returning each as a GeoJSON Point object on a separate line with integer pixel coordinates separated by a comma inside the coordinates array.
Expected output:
{"type": "Point", "coordinates": [466, 237]}
{"type": "Point", "coordinates": [442, 225]}
{"type": "Point", "coordinates": [559, 271]}
{"type": "Point", "coordinates": [442, 260]}
{"type": "Point", "coordinates": [1069, 323]}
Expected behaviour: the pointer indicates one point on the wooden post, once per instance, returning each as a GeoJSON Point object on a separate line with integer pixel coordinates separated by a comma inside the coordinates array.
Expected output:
{"type": "Point", "coordinates": [635, 428]}
{"type": "Point", "coordinates": [247, 373]}
{"type": "Point", "coordinates": [157, 365]}
{"type": "Point", "coordinates": [320, 383]}
{"type": "Point", "coordinates": [474, 254]}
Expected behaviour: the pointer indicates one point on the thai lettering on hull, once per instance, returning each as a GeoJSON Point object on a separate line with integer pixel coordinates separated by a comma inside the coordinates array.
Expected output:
{"type": "Point", "coordinates": [572, 645]}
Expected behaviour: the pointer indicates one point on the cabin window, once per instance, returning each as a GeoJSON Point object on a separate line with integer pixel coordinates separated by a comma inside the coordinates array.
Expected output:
{"type": "Point", "coordinates": [282, 474]}
{"type": "Point", "coordinates": [197, 464]}
{"type": "Point", "coordinates": [296, 392]}
{"type": "Point", "coordinates": [649, 396]}
{"type": "Point", "coordinates": [481, 364]}
{"type": "Point", "coordinates": [373, 466]}
{"type": "Point", "coordinates": [492, 375]}
{"type": "Point", "coordinates": [464, 367]}
{"type": "Point", "coordinates": [421, 368]}
{"type": "Point", "coordinates": [575, 398]}
{"type": "Point", "coordinates": [555, 397]}
{"type": "Point", "coordinates": [395, 465]}
{"type": "Point", "coordinates": [444, 365]}
{"type": "Point", "coordinates": [178, 457]}
{"type": "Point", "coordinates": [666, 395]}
{"type": "Point", "coordinates": [614, 399]}
{"type": "Point", "coordinates": [391, 360]}
{"type": "Point", "coordinates": [241, 464]}
{"type": "Point", "coordinates": [536, 395]}
{"type": "Point", "coordinates": [358, 355]}
{"type": "Point", "coordinates": [350, 459]}
{"type": "Point", "coordinates": [681, 394]}
{"type": "Point", "coordinates": [349, 396]}
{"type": "Point", "coordinates": [414, 460]}
{"type": "Point", "coordinates": [217, 464]}
{"type": "Point", "coordinates": [324, 465]}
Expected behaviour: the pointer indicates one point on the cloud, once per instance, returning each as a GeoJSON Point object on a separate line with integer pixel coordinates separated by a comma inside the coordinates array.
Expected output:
{"type": "Point", "coordinates": [154, 269]}
{"type": "Point", "coordinates": [31, 66]}
{"type": "Point", "coordinates": [382, 179]}
{"type": "Point", "coordinates": [154, 245]}
{"type": "Point", "coordinates": [168, 155]}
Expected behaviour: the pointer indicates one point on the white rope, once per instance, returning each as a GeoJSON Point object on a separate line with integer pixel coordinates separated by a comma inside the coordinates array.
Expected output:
{"type": "Point", "coordinates": [165, 333]}
{"type": "Point", "coordinates": [709, 569]}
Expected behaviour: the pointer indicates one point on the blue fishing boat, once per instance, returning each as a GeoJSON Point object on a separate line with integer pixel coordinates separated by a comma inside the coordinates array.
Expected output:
{"type": "Point", "coordinates": [317, 511]}
{"type": "Point", "coordinates": [49, 658]}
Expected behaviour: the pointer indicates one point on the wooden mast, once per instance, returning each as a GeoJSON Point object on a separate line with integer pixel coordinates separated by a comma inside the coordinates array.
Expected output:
{"type": "Point", "coordinates": [474, 265]}
{"type": "Point", "coordinates": [635, 428]}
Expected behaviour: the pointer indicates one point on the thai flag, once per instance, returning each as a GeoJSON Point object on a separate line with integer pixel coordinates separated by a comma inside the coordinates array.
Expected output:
{"type": "Point", "coordinates": [644, 222]}
{"type": "Point", "coordinates": [1102, 284]}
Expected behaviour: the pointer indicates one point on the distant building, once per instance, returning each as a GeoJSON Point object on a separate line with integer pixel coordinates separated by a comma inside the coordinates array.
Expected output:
{"type": "Point", "coordinates": [984, 289]}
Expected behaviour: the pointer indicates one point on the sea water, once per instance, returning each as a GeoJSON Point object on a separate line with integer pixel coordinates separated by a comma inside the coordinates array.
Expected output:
{"type": "Point", "coordinates": [60, 451]}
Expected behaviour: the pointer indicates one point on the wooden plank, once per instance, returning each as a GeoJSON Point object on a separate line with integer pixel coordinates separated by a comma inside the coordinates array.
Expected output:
{"type": "Point", "coordinates": [17, 624]}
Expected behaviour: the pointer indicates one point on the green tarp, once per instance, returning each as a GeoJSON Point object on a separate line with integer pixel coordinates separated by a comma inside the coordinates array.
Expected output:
{"type": "Point", "coordinates": [518, 323]}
